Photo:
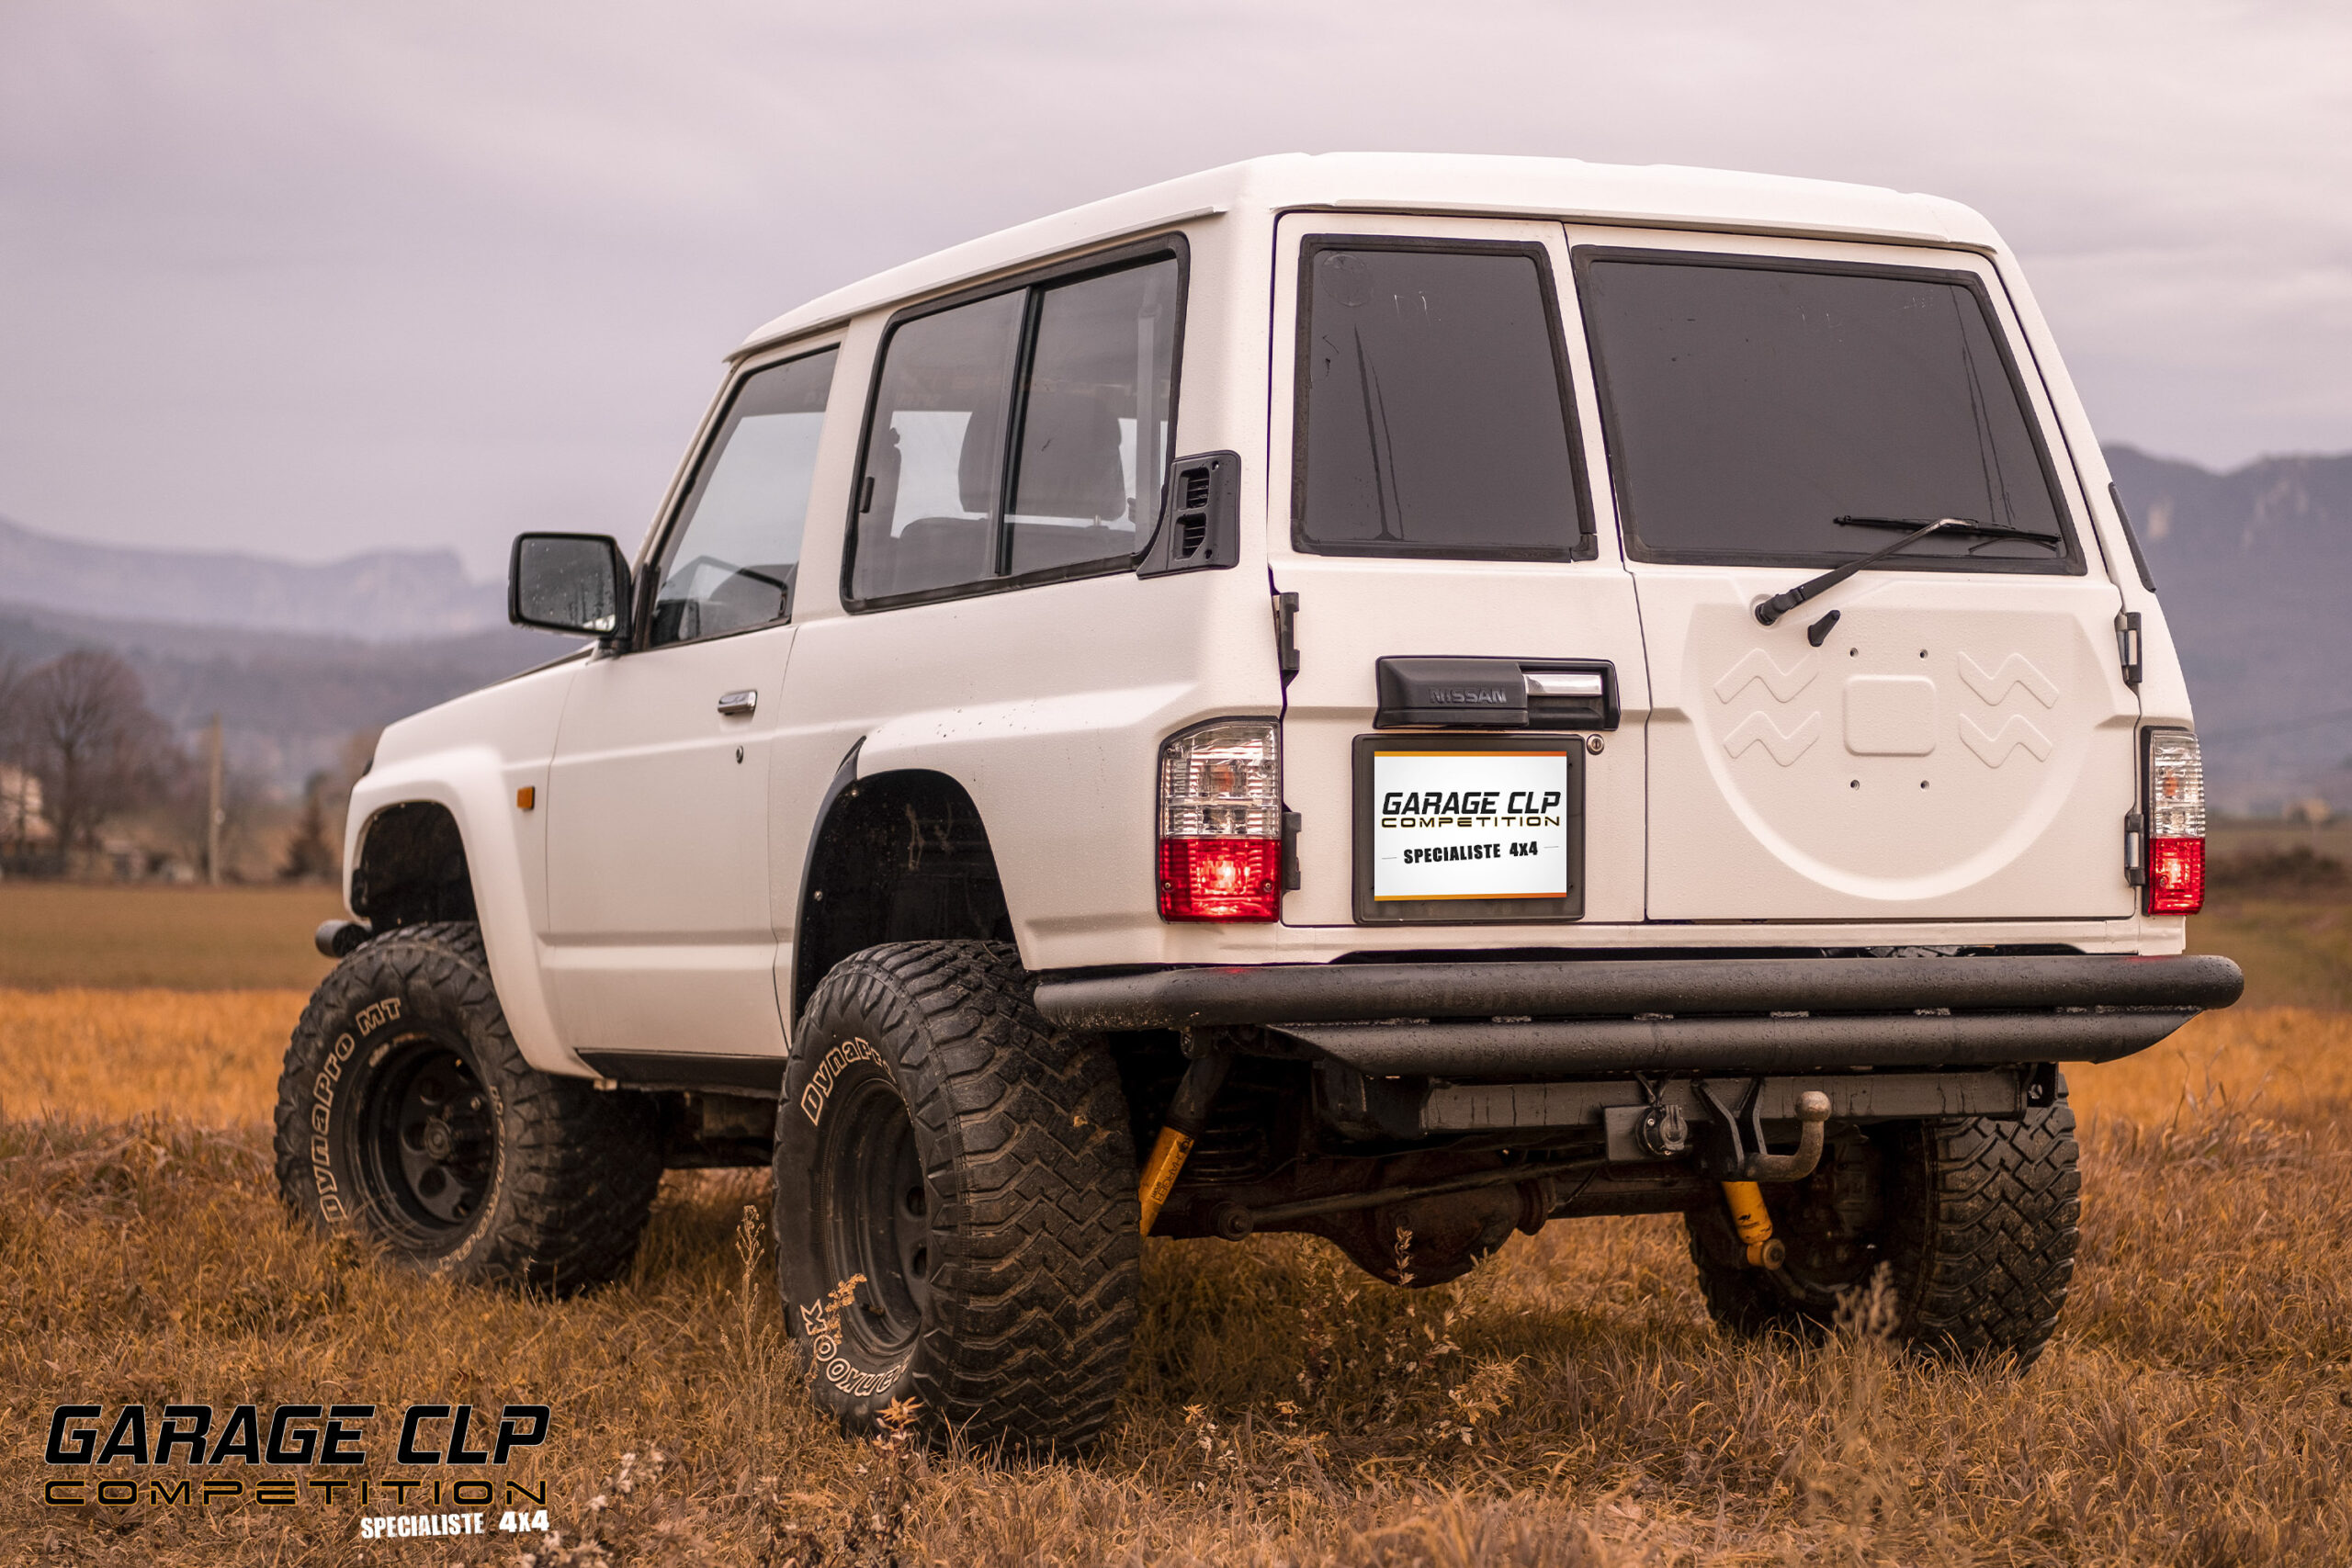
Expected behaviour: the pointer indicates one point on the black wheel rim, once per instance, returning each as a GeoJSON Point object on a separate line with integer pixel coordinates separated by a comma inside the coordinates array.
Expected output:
{"type": "Point", "coordinates": [426, 1138]}
{"type": "Point", "coordinates": [877, 1216]}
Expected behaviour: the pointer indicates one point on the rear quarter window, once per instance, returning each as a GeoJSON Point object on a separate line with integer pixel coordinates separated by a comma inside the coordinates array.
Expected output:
{"type": "Point", "coordinates": [1022, 437]}
{"type": "Point", "coordinates": [1749, 406]}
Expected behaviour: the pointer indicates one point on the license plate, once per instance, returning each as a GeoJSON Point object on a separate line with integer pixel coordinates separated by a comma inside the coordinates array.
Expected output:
{"type": "Point", "coordinates": [1469, 828]}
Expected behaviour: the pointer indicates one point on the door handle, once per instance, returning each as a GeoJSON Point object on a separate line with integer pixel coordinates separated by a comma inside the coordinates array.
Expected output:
{"type": "Point", "coordinates": [735, 705]}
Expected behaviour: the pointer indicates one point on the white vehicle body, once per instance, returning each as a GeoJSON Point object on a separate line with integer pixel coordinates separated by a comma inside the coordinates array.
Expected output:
{"type": "Point", "coordinates": [1952, 766]}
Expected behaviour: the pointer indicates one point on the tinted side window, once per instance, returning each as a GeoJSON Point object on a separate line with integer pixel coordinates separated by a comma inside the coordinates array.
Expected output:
{"type": "Point", "coordinates": [1749, 407]}
{"type": "Point", "coordinates": [1060, 394]}
{"type": "Point", "coordinates": [1092, 461]}
{"type": "Point", "coordinates": [1435, 421]}
{"type": "Point", "coordinates": [730, 562]}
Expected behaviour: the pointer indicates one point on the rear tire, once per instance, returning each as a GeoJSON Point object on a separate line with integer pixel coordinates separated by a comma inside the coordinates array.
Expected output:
{"type": "Point", "coordinates": [408, 1118]}
{"type": "Point", "coordinates": [1973, 1218]}
{"type": "Point", "coordinates": [975, 1166]}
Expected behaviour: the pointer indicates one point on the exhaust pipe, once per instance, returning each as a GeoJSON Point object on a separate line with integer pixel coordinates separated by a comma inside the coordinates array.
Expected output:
{"type": "Point", "coordinates": [337, 939]}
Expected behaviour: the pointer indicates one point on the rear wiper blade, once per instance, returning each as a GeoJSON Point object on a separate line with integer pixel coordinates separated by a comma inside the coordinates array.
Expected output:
{"type": "Point", "coordinates": [1951, 525]}
{"type": "Point", "coordinates": [1780, 604]}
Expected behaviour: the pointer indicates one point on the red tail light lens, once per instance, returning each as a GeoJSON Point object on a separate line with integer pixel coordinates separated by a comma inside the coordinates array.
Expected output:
{"type": "Point", "coordinates": [1220, 822]}
{"type": "Point", "coordinates": [2176, 782]}
{"type": "Point", "coordinates": [2175, 876]}
{"type": "Point", "coordinates": [1220, 879]}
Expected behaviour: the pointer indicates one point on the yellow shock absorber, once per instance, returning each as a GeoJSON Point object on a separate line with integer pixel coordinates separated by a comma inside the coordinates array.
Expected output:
{"type": "Point", "coordinates": [1754, 1221]}
{"type": "Point", "coordinates": [1168, 1152]}
{"type": "Point", "coordinates": [1188, 1118]}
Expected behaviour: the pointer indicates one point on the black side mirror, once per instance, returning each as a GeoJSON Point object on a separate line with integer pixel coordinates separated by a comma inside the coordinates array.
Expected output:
{"type": "Point", "coordinates": [569, 582]}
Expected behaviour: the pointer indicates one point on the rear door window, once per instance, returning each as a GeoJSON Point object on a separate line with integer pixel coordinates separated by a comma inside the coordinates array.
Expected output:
{"type": "Point", "coordinates": [1018, 438]}
{"type": "Point", "coordinates": [1436, 417]}
{"type": "Point", "coordinates": [1751, 405]}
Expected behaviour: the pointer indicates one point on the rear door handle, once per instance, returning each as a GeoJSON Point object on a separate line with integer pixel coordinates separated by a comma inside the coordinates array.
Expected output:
{"type": "Point", "coordinates": [735, 705]}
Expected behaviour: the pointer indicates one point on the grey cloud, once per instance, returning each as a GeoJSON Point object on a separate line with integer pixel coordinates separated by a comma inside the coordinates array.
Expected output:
{"type": "Point", "coordinates": [310, 279]}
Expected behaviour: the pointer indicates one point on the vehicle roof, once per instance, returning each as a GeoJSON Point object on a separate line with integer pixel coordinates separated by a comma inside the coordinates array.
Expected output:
{"type": "Point", "coordinates": [1655, 195]}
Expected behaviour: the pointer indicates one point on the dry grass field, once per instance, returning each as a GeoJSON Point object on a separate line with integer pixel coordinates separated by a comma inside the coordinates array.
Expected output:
{"type": "Point", "coordinates": [1566, 1403]}
{"type": "Point", "coordinates": [193, 938]}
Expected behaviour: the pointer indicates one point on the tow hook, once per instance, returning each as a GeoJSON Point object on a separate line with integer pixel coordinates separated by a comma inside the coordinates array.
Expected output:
{"type": "Point", "coordinates": [1188, 1118]}
{"type": "Point", "coordinates": [1746, 1198]}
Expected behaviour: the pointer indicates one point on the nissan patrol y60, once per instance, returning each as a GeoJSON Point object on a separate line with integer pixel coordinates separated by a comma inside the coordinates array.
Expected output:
{"type": "Point", "coordinates": [1403, 698]}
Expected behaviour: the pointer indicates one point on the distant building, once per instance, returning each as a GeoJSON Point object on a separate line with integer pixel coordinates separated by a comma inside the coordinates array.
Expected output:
{"type": "Point", "coordinates": [22, 827]}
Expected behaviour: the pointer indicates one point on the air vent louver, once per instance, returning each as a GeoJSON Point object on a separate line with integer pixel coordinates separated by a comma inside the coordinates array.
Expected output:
{"type": "Point", "coordinates": [1201, 526]}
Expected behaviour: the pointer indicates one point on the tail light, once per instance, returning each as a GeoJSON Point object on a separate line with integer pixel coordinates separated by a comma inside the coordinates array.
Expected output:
{"type": "Point", "coordinates": [1221, 822]}
{"type": "Point", "coordinates": [2176, 784]}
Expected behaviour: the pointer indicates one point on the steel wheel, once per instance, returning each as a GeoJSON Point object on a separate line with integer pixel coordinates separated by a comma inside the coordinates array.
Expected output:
{"type": "Point", "coordinates": [427, 1141]}
{"type": "Point", "coordinates": [878, 1216]}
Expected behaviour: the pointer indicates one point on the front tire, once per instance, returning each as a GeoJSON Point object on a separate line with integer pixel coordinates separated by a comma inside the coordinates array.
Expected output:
{"type": "Point", "coordinates": [942, 1141]}
{"type": "Point", "coordinates": [1973, 1218]}
{"type": "Point", "coordinates": [408, 1118]}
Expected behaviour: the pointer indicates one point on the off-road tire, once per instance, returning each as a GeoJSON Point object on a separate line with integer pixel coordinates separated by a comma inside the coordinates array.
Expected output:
{"type": "Point", "coordinates": [544, 1183]}
{"type": "Point", "coordinates": [1975, 1225]}
{"type": "Point", "coordinates": [1003, 1295]}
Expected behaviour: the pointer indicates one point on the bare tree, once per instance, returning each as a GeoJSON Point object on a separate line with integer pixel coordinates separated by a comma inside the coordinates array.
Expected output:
{"type": "Point", "coordinates": [96, 749]}
{"type": "Point", "coordinates": [316, 852]}
{"type": "Point", "coordinates": [311, 855]}
{"type": "Point", "coordinates": [12, 708]}
{"type": "Point", "coordinates": [19, 796]}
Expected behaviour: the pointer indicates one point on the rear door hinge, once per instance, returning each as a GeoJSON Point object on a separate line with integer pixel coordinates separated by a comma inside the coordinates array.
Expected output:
{"type": "Point", "coordinates": [2135, 850]}
{"type": "Point", "coordinates": [1285, 638]}
{"type": "Point", "coordinates": [2127, 646]}
{"type": "Point", "coordinates": [1292, 822]}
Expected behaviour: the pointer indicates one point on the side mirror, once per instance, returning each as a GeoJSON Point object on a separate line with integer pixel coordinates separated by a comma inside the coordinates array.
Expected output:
{"type": "Point", "coordinates": [569, 582]}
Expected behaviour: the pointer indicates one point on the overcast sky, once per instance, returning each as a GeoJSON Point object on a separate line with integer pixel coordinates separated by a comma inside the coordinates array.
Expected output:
{"type": "Point", "coordinates": [308, 279]}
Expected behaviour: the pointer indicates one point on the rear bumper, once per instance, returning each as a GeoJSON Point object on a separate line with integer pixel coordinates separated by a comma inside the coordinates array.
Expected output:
{"type": "Point", "coordinates": [1576, 1018]}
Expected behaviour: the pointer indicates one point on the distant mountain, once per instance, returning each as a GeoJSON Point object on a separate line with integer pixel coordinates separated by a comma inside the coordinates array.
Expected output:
{"type": "Point", "coordinates": [383, 596]}
{"type": "Point", "coordinates": [287, 701]}
{"type": "Point", "coordinates": [2255, 566]}
{"type": "Point", "coordinates": [2255, 569]}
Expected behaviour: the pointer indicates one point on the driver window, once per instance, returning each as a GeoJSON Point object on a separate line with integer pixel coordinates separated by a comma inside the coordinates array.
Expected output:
{"type": "Point", "coordinates": [729, 562]}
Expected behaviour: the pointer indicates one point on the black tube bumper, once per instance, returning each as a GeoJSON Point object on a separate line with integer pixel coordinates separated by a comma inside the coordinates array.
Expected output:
{"type": "Point", "coordinates": [1718, 1014]}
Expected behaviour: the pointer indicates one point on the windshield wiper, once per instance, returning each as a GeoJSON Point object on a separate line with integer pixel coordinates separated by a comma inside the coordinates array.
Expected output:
{"type": "Point", "coordinates": [1780, 604]}
{"type": "Point", "coordinates": [1951, 525]}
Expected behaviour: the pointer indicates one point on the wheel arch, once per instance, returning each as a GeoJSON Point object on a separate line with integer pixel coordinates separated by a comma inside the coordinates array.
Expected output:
{"type": "Point", "coordinates": [444, 836]}
{"type": "Point", "coordinates": [898, 855]}
{"type": "Point", "coordinates": [409, 866]}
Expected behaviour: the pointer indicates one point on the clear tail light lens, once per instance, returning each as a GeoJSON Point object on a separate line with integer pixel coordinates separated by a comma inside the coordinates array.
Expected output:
{"type": "Point", "coordinates": [2176, 782]}
{"type": "Point", "coordinates": [1221, 822]}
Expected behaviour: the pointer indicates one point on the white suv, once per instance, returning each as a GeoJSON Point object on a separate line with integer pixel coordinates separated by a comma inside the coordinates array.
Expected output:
{"type": "Point", "coordinates": [1395, 697]}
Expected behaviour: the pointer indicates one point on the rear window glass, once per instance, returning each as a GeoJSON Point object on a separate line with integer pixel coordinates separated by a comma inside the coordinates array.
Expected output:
{"type": "Point", "coordinates": [1063, 392]}
{"type": "Point", "coordinates": [1435, 422]}
{"type": "Point", "coordinates": [1750, 407]}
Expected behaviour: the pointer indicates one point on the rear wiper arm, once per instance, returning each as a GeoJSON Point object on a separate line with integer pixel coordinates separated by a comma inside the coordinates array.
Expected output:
{"type": "Point", "coordinates": [1780, 604]}
{"type": "Point", "coordinates": [1951, 525]}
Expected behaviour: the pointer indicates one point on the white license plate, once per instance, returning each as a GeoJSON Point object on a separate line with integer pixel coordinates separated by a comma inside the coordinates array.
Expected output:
{"type": "Point", "coordinates": [1462, 824]}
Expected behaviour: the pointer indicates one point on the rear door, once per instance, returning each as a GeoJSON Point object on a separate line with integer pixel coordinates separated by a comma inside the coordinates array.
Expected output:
{"type": "Point", "coordinates": [1945, 735]}
{"type": "Point", "coordinates": [1431, 416]}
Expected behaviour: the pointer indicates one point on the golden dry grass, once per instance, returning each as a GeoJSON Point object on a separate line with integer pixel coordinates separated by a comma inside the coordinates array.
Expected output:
{"type": "Point", "coordinates": [1567, 1403]}
{"type": "Point", "coordinates": [209, 1057]}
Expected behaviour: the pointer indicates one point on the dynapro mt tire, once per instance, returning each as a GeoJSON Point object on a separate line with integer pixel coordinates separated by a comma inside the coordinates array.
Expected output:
{"type": "Point", "coordinates": [939, 1138]}
{"type": "Point", "coordinates": [407, 1117]}
{"type": "Point", "coordinates": [1973, 1218]}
